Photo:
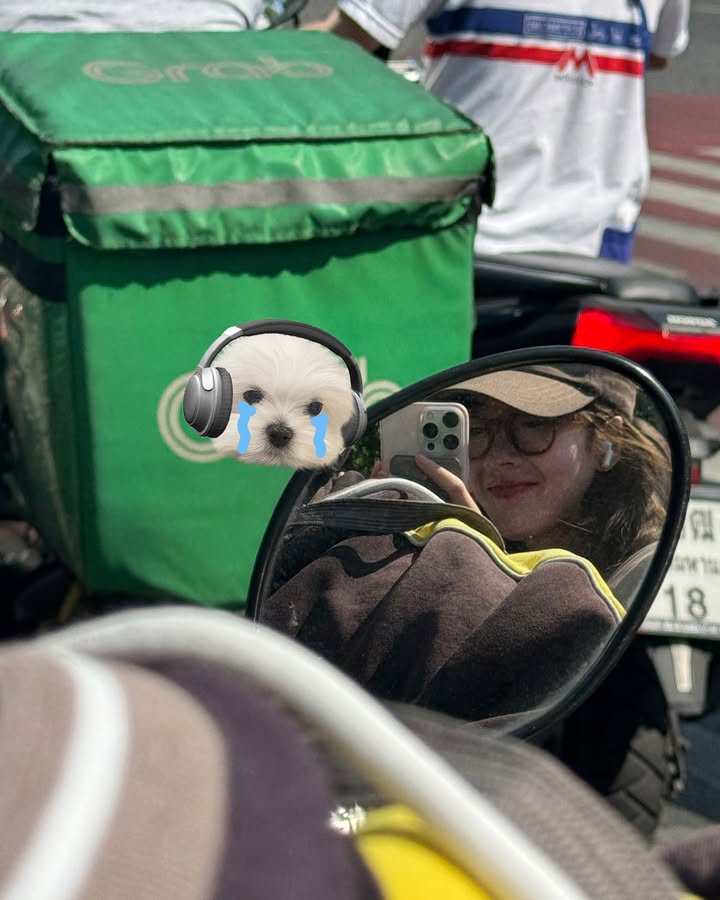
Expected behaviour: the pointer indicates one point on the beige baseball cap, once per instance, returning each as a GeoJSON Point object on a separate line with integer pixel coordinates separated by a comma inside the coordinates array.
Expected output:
{"type": "Point", "coordinates": [550, 391]}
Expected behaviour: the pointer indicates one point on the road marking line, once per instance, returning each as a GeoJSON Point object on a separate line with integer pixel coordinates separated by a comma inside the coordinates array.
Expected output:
{"type": "Point", "coordinates": [704, 200]}
{"type": "Point", "coordinates": [672, 163]}
{"type": "Point", "coordinates": [706, 240]}
{"type": "Point", "coordinates": [710, 151]}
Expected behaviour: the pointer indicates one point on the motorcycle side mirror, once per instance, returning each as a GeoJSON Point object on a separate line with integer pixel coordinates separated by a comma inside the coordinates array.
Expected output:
{"type": "Point", "coordinates": [567, 473]}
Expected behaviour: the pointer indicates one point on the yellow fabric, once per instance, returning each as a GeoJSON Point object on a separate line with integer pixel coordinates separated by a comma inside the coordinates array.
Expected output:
{"type": "Point", "coordinates": [517, 565]}
{"type": "Point", "coordinates": [399, 849]}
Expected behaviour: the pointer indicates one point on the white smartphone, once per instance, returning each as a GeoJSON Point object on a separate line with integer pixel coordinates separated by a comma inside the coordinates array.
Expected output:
{"type": "Point", "coordinates": [438, 430]}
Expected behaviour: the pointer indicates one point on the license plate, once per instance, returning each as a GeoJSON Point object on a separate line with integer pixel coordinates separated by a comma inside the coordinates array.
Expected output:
{"type": "Point", "coordinates": [688, 603]}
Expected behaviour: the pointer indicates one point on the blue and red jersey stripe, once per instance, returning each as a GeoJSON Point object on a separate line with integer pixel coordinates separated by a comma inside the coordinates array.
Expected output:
{"type": "Point", "coordinates": [518, 35]}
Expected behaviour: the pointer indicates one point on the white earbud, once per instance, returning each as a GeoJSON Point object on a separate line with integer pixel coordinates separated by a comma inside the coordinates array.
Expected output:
{"type": "Point", "coordinates": [608, 457]}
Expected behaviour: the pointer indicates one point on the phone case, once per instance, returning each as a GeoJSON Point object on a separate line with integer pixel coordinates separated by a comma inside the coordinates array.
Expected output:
{"type": "Point", "coordinates": [402, 437]}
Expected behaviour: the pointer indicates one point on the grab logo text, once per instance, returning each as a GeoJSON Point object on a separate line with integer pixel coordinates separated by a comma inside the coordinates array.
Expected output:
{"type": "Point", "coordinates": [123, 71]}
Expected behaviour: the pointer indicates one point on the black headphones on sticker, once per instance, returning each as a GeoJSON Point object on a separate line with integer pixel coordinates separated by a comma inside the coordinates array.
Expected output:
{"type": "Point", "coordinates": [208, 398]}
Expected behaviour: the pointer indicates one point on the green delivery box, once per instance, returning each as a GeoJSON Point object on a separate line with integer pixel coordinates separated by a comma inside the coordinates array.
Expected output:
{"type": "Point", "coordinates": [157, 188]}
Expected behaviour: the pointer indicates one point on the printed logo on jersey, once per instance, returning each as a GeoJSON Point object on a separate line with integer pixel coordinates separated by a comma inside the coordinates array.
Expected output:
{"type": "Point", "coordinates": [580, 67]}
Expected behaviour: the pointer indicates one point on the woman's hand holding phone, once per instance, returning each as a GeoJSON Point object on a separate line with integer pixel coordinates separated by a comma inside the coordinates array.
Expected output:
{"type": "Point", "coordinates": [451, 484]}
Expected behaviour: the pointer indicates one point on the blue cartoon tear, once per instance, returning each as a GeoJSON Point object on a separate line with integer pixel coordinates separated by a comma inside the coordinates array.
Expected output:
{"type": "Point", "coordinates": [243, 426]}
{"type": "Point", "coordinates": [320, 422]}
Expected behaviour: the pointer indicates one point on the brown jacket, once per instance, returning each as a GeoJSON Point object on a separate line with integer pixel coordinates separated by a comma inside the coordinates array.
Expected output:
{"type": "Point", "coordinates": [443, 617]}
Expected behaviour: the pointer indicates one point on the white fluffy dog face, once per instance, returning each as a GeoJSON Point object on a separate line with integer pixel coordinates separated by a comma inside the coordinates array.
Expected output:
{"type": "Point", "coordinates": [291, 398]}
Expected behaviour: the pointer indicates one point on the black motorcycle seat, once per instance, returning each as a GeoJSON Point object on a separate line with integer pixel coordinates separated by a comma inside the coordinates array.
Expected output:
{"type": "Point", "coordinates": [558, 275]}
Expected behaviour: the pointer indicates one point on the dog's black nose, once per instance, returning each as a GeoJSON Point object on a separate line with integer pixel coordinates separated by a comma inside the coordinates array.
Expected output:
{"type": "Point", "coordinates": [279, 435]}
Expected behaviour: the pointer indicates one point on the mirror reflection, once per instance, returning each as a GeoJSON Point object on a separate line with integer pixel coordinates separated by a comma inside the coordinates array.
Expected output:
{"type": "Point", "coordinates": [557, 479]}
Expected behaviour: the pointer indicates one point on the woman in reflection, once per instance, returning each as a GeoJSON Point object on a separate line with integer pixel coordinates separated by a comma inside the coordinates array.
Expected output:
{"type": "Point", "coordinates": [559, 458]}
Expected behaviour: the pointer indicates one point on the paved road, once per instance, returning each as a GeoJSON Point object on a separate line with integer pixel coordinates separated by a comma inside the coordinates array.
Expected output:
{"type": "Point", "coordinates": [679, 230]}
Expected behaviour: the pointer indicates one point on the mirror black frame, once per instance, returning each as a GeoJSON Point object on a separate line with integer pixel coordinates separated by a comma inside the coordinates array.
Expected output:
{"type": "Point", "coordinates": [304, 484]}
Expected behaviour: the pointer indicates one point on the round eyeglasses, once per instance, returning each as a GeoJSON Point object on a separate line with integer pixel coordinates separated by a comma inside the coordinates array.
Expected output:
{"type": "Point", "coordinates": [527, 434]}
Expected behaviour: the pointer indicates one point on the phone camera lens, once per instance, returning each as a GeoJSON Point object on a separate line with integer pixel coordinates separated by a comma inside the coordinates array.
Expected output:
{"type": "Point", "coordinates": [450, 442]}
{"type": "Point", "coordinates": [430, 430]}
{"type": "Point", "coordinates": [450, 420]}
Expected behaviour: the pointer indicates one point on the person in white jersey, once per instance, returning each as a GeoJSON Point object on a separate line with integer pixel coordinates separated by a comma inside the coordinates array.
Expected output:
{"type": "Point", "coordinates": [127, 15]}
{"type": "Point", "coordinates": [558, 85]}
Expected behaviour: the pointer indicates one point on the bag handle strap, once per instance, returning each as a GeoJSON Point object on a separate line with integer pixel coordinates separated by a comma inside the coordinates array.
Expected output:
{"type": "Point", "coordinates": [387, 516]}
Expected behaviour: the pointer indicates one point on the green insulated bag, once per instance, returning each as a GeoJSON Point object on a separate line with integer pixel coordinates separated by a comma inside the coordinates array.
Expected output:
{"type": "Point", "coordinates": [157, 188]}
